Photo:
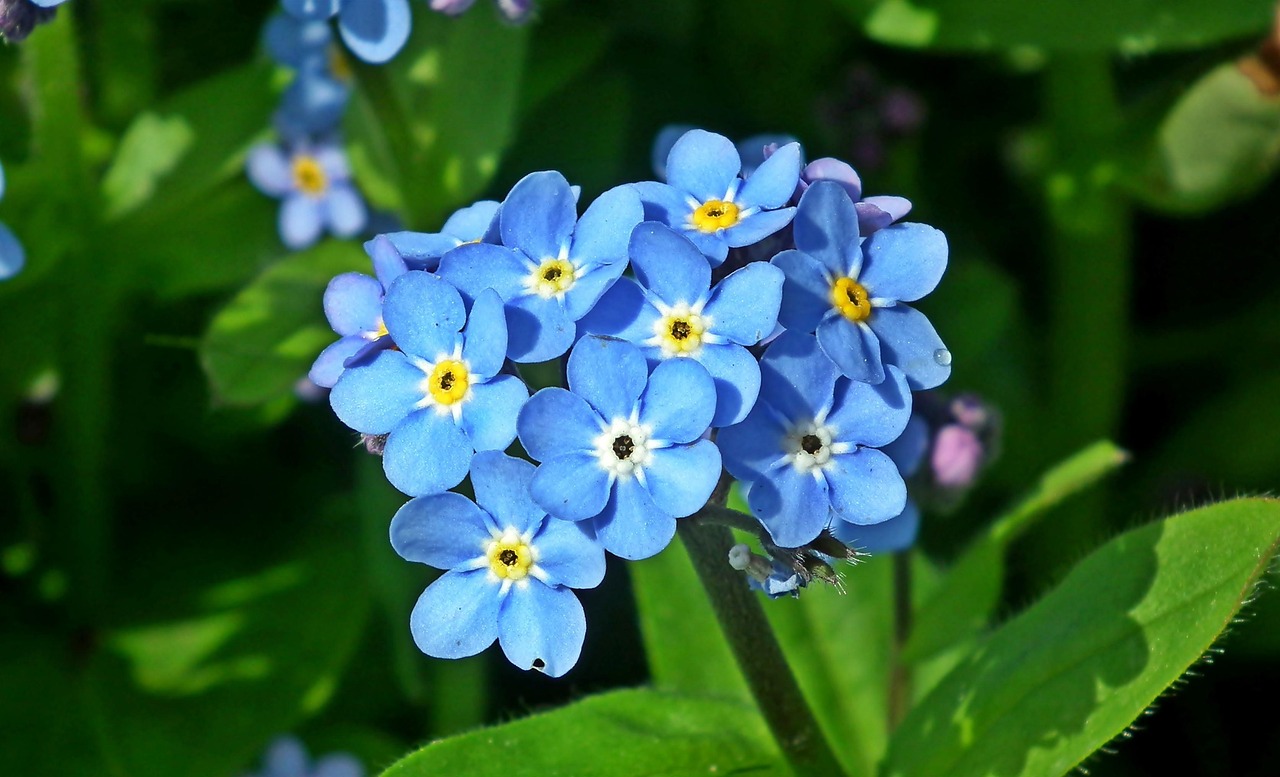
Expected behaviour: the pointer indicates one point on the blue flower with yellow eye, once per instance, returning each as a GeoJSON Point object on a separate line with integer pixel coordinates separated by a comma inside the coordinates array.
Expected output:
{"type": "Point", "coordinates": [621, 448]}
{"type": "Point", "coordinates": [12, 255]}
{"type": "Point", "coordinates": [706, 200]}
{"type": "Point", "coordinates": [851, 292]}
{"type": "Point", "coordinates": [374, 30]}
{"type": "Point", "coordinates": [509, 566]}
{"type": "Point", "coordinates": [808, 448]}
{"type": "Point", "coordinates": [472, 224]}
{"type": "Point", "coordinates": [671, 311]}
{"type": "Point", "coordinates": [286, 757]}
{"type": "Point", "coordinates": [899, 532]}
{"type": "Point", "coordinates": [314, 183]}
{"type": "Point", "coordinates": [315, 99]}
{"type": "Point", "coordinates": [439, 396]}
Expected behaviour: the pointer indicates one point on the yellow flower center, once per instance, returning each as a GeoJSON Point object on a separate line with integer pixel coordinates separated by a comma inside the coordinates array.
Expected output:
{"type": "Point", "coordinates": [679, 333]}
{"type": "Point", "coordinates": [851, 299]}
{"type": "Point", "coordinates": [510, 557]}
{"type": "Point", "coordinates": [381, 331]}
{"type": "Point", "coordinates": [715, 215]}
{"type": "Point", "coordinates": [449, 382]}
{"type": "Point", "coordinates": [552, 278]}
{"type": "Point", "coordinates": [309, 176]}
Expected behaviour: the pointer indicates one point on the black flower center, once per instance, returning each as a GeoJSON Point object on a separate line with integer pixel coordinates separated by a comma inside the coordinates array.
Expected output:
{"type": "Point", "coordinates": [551, 274]}
{"type": "Point", "coordinates": [623, 447]}
{"type": "Point", "coordinates": [446, 381]}
{"type": "Point", "coordinates": [509, 557]}
{"type": "Point", "coordinates": [680, 329]}
{"type": "Point", "coordinates": [810, 444]}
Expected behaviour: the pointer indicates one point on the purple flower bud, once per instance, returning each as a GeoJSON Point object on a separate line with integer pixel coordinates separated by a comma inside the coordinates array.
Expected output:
{"type": "Point", "coordinates": [19, 17]}
{"type": "Point", "coordinates": [957, 456]}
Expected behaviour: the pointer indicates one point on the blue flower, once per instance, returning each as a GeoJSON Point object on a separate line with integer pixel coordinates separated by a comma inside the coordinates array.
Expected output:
{"type": "Point", "coordinates": [12, 255]}
{"type": "Point", "coordinates": [374, 30]}
{"type": "Point", "coordinates": [672, 312]}
{"type": "Point", "coordinates": [623, 450]}
{"type": "Point", "coordinates": [808, 447]}
{"type": "Point", "coordinates": [852, 292]}
{"type": "Point", "coordinates": [439, 396]}
{"type": "Point", "coordinates": [899, 532]}
{"type": "Point", "coordinates": [472, 224]}
{"type": "Point", "coordinates": [353, 305]}
{"type": "Point", "coordinates": [286, 757]}
{"type": "Point", "coordinates": [315, 100]}
{"type": "Point", "coordinates": [874, 213]}
{"type": "Point", "coordinates": [509, 570]}
{"type": "Point", "coordinates": [552, 266]}
{"type": "Point", "coordinates": [514, 10]}
{"type": "Point", "coordinates": [707, 201]}
{"type": "Point", "coordinates": [314, 183]}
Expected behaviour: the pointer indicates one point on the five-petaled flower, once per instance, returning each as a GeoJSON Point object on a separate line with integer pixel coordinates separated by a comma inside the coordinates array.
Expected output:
{"type": "Point", "coordinates": [314, 182]}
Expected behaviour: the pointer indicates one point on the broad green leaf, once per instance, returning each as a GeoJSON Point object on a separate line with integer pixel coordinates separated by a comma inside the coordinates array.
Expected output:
{"type": "Point", "coordinates": [624, 733]}
{"type": "Point", "coordinates": [264, 340]}
{"type": "Point", "coordinates": [1073, 672]}
{"type": "Point", "coordinates": [150, 149]}
{"type": "Point", "coordinates": [968, 593]}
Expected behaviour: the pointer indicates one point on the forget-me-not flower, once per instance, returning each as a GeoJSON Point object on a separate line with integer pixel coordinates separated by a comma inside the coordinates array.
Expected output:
{"type": "Point", "coordinates": [12, 255]}
{"type": "Point", "coordinates": [315, 100]}
{"type": "Point", "coordinates": [899, 532]}
{"type": "Point", "coordinates": [439, 396]}
{"type": "Point", "coordinates": [314, 183]}
{"type": "Point", "coordinates": [374, 30]}
{"type": "Point", "coordinates": [622, 448]}
{"type": "Point", "coordinates": [286, 757]}
{"type": "Point", "coordinates": [509, 570]}
{"type": "Point", "coordinates": [472, 224]}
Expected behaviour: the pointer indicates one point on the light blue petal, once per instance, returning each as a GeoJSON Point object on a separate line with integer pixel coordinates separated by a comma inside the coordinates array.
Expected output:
{"type": "Point", "coordinates": [713, 246]}
{"type": "Point", "coordinates": [792, 505]}
{"type": "Point", "coordinates": [489, 417]}
{"type": "Point", "coordinates": [474, 267]}
{"type": "Point", "coordinates": [826, 228]}
{"type": "Point", "coordinates": [869, 414]}
{"type": "Point", "coordinates": [542, 628]}
{"type": "Point", "coordinates": [668, 265]}
{"type": "Point", "coordinates": [744, 306]}
{"type": "Point", "coordinates": [292, 41]}
{"type": "Point", "coordinates": [604, 230]}
{"type": "Point", "coordinates": [855, 351]}
{"type": "Point", "coordinates": [444, 531]}
{"type": "Point", "coordinates": [457, 616]}
{"type": "Point", "coordinates": [353, 303]}
{"type": "Point", "coordinates": [329, 365]}
{"type": "Point", "coordinates": [485, 336]}
{"type": "Point", "coordinates": [755, 228]}
{"type": "Point", "coordinates": [471, 223]}
{"type": "Point", "coordinates": [555, 422]}
{"type": "Point", "coordinates": [569, 554]}
{"type": "Point", "coordinates": [374, 30]}
{"type": "Point", "coordinates": [501, 485]}
{"type": "Point", "coordinates": [572, 487]}
{"type": "Point", "coordinates": [623, 311]}
{"type": "Point", "coordinates": [12, 255]}
{"type": "Point", "coordinates": [269, 170]}
{"type": "Point", "coordinates": [679, 402]}
{"type": "Point", "coordinates": [372, 398]}
{"type": "Point", "coordinates": [904, 262]}
{"type": "Point", "coordinates": [610, 374]}
{"type": "Point", "coordinates": [908, 450]}
{"type": "Point", "coordinates": [286, 757]}
{"type": "Point", "coordinates": [897, 533]}
{"type": "Point", "coordinates": [865, 486]}
{"type": "Point", "coordinates": [753, 447]}
{"type": "Point", "coordinates": [663, 203]}
{"type": "Point", "coordinates": [896, 208]}
{"type": "Point", "coordinates": [681, 478]}
{"type": "Point", "coordinates": [752, 149]}
{"type": "Point", "coordinates": [301, 221]}
{"type": "Point", "coordinates": [311, 9]}
{"type": "Point", "coordinates": [703, 164]}
{"type": "Point", "coordinates": [908, 340]}
{"type": "Point", "coordinates": [338, 765]}
{"type": "Point", "coordinates": [662, 143]}
{"type": "Point", "coordinates": [797, 379]}
{"type": "Point", "coordinates": [538, 215]}
{"type": "Point", "coordinates": [828, 169]}
{"type": "Point", "coordinates": [312, 104]}
{"type": "Point", "coordinates": [388, 261]}
{"type": "Point", "coordinates": [806, 292]}
{"type": "Point", "coordinates": [422, 249]}
{"type": "Point", "coordinates": [538, 329]}
{"type": "Point", "coordinates": [345, 211]}
{"type": "Point", "coordinates": [588, 289]}
{"type": "Point", "coordinates": [736, 375]}
{"type": "Point", "coordinates": [631, 525]}
{"type": "Point", "coordinates": [426, 453]}
{"type": "Point", "coordinates": [424, 315]}
{"type": "Point", "coordinates": [774, 181]}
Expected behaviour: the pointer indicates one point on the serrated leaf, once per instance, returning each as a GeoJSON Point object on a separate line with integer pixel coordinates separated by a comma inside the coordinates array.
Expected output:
{"type": "Point", "coordinates": [1074, 671]}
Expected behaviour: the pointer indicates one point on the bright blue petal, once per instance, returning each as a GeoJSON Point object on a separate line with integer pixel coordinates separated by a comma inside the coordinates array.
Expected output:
{"type": "Point", "coordinates": [569, 554]}
{"type": "Point", "coordinates": [744, 306]}
{"type": "Point", "coordinates": [752, 149]}
{"type": "Point", "coordinates": [681, 478]}
{"type": "Point", "coordinates": [806, 291]}
{"type": "Point", "coordinates": [753, 447]}
{"type": "Point", "coordinates": [855, 350]}
{"type": "Point", "coordinates": [757, 227]}
{"type": "Point", "coordinates": [668, 265]}
{"type": "Point", "coordinates": [826, 228]}
{"type": "Point", "coordinates": [797, 379]}
{"type": "Point", "coordinates": [897, 533]}
{"type": "Point", "coordinates": [474, 267]}
{"type": "Point", "coordinates": [485, 344]}
{"type": "Point", "coordinates": [703, 164]}
{"type": "Point", "coordinates": [353, 303]}
{"type": "Point", "coordinates": [555, 422]}
{"type": "Point", "coordinates": [426, 453]}
{"type": "Point", "coordinates": [344, 211]}
{"type": "Point", "coordinates": [604, 230]}
{"type": "Point", "coordinates": [470, 223]}
{"type": "Point", "coordinates": [424, 315]}
{"type": "Point", "coordinates": [388, 261]}
{"type": "Point", "coordinates": [774, 181]}
{"type": "Point", "coordinates": [372, 398]}
{"type": "Point", "coordinates": [713, 246]}
{"type": "Point", "coordinates": [631, 525]}
{"type": "Point", "coordinates": [489, 417]}
{"type": "Point", "coordinates": [588, 289]}
{"type": "Point", "coordinates": [792, 505]}
{"type": "Point", "coordinates": [736, 375]}
{"type": "Point", "coordinates": [538, 329]}
{"type": "Point", "coordinates": [610, 374]}
{"type": "Point", "coordinates": [444, 531]}
{"type": "Point", "coordinates": [679, 401]}
{"type": "Point", "coordinates": [865, 486]}
{"type": "Point", "coordinates": [663, 203]}
{"type": "Point", "coordinates": [869, 414]}
{"type": "Point", "coordinates": [301, 221]}
{"type": "Point", "coordinates": [457, 616]}
{"type": "Point", "coordinates": [904, 262]}
{"type": "Point", "coordinates": [501, 485]}
{"type": "Point", "coordinates": [662, 143]}
{"type": "Point", "coordinates": [12, 256]}
{"type": "Point", "coordinates": [329, 365]}
{"type": "Point", "coordinates": [623, 312]}
{"type": "Point", "coordinates": [311, 9]}
{"type": "Point", "coordinates": [572, 487]}
{"type": "Point", "coordinates": [374, 30]}
{"type": "Point", "coordinates": [908, 340]}
{"type": "Point", "coordinates": [542, 628]}
{"type": "Point", "coordinates": [422, 249]}
{"type": "Point", "coordinates": [908, 450]}
{"type": "Point", "coordinates": [538, 215]}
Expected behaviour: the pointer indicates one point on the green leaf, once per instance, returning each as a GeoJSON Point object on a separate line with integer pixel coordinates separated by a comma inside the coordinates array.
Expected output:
{"type": "Point", "coordinates": [264, 340]}
{"type": "Point", "coordinates": [40, 708]}
{"type": "Point", "coordinates": [149, 150]}
{"type": "Point", "coordinates": [1074, 671]}
{"type": "Point", "coordinates": [624, 733]}
{"type": "Point", "coordinates": [968, 593]}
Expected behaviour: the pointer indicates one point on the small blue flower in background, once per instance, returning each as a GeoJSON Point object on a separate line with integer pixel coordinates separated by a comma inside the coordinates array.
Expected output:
{"type": "Point", "coordinates": [623, 448]}
{"type": "Point", "coordinates": [314, 182]}
{"type": "Point", "coordinates": [439, 396]}
{"type": "Point", "coordinates": [286, 757]}
{"type": "Point", "coordinates": [672, 311]}
{"type": "Point", "coordinates": [899, 532]}
{"type": "Point", "coordinates": [852, 292]}
{"type": "Point", "coordinates": [513, 10]}
{"type": "Point", "coordinates": [509, 570]}
{"type": "Point", "coordinates": [19, 17]}
{"type": "Point", "coordinates": [374, 30]}
{"type": "Point", "coordinates": [708, 203]}
{"type": "Point", "coordinates": [472, 224]}
{"type": "Point", "coordinates": [552, 266]}
{"type": "Point", "coordinates": [808, 448]}
{"type": "Point", "coordinates": [315, 100]}
{"type": "Point", "coordinates": [12, 255]}
{"type": "Point", "coordinates": [353, 306]}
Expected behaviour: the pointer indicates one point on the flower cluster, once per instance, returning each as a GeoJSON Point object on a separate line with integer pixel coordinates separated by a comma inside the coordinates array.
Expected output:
{"type": "Point", "coordinates": [12, 255]}
{"type": "Point", "coordinates": [682, 361]}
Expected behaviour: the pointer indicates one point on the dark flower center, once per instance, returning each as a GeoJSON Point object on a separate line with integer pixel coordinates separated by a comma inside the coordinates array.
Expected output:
{"type": "Point", "coordinates": [509, 557]}
{"type": "Point", "coordinates": [623, 447]}
{"type": "Point", "coordinates": [810, 444]}
{"type": "Point", "coordinates": [680, 329]}
{"type": "Point", "coordinates": [551, 274]}
{"type": "Point", "coordinates": [446, 381]}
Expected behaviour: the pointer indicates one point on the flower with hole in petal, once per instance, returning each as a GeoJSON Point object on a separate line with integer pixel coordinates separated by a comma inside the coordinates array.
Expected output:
{"type": "Point", "coordinates": [374, 30]}
{"type": "Point", "coordinates": [286, 757]}
{"type": "Point", "coordinates": [439, 396]}
{"type": "Point", "coordinates": [706, 200]}
{"type": "Point", "coordinates": [12, 255]}
{"type": "Point", "coordinates": [809, 446]}
{"type": "Point", "coordinates": [473, 224]}
{"type": "Point", "coordinates": [671, 311]}
{"type": "Point", "coordinates": [314, 182]}
{"type": "Point", "coordinates": [852, 292]}
{"type": "Point", "coordinates": [622, 448]}
{"type": "Point", "coordinates": [509, 568]}
{"type": "Point", "coordinates": [899, 532]}
{"type": "Point", "coordinates": [552, 266]}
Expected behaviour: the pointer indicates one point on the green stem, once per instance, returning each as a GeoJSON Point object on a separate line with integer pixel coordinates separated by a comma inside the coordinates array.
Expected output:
{"type": "Point", "coordinates": [757, 651]}
{"type": "Point", "coordinates": [900, 673]}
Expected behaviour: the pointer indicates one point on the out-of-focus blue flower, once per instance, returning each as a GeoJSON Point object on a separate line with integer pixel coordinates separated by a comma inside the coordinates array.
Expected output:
{"type": "Point", "coordinates": [851, 292]}
{"type": "Point", "coordinates": [552, 266]}
{"type": "Point", "coordinates": [19, 17]}
{"type": "Point", "coordinates": [809, 446]}
{"type": "Point", "coordinates": [899, 532]}
{"type": "Point", "coordinates": [314, 101]}
{"type": "Point", "coordinates": [12, 255]}
{"type": "Point", "coordinates": [314, 182]}
{"type": "Point", "coordinates": [509, 570]}
{"type": "Point", "coordinates": [671, 311]}
{"type": "Point", "coordinates": [513, 10]}
{"type": "Point", "coordinates": [286, 757]}
{"type": "Point", "coordinates": [353, 305]}
{"type": "Point", "coordinates": [439, 396]}
{"type": "Point", "coordinates": [706, 200]}
{"type": "Point", "coordinates": [472, 224]}
{"type": "Point", "coordinates": [622, 448]}
{"type": "Point", "coordinates": [374, 30]}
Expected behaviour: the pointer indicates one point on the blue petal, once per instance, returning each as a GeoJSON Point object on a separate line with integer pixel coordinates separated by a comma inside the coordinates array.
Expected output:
{"type": "Point", "coordinates": [753, 447]}
{"type": "Point", "coordinates": [826, 228]}
{"type": "Point", "coordinates": [588, 288]}
{"type": "Point", "coordinates": [797, 379]}
{"type": "Point", "coordinates": [610, 374]}
{"type": "Point", "coordinates": [474, 267]}
{"type": "Point", "coordinates": [681, 478]}
{"type": "Point", "coordinates": [353, 303]}
{"type": "Point", "coordinates": [538, 329]}
{"type": "Point", "coordinates": [744, 306]}
{"type": "Point", "coordinates": [286, 757]}
{"type": "Point", "coordinates": [774, 181]}
{"type": "Point", "coordinates": [828, 169]}
{"type": "Point", "coordinates": [908, 450]}
{"type": "Point", "coordinates": [489, 417]}
{"type": "Point", "coordinates": [312, 104]}
{"type": "Point", "coordinates": [736, 375]}
{"type": "Point", "coordinates": [311, 9]}
{"type": "Point", "coordinates": [538, 215]}
{"type": "Point", "coordinates": [338, 765]}
{"type": "Point", "coordinates": [679, 401]}
{"type": "Point", "coordinates": [897, 533]}
{"type": "Point", "coordinates": [623, 312]}
{"type": "Point", "coordinates": [443, 530]}
{"type": "Point", "coordinates": [571, 487]}
{"type": "Point", "coordinates": [662, 143]}
{"type": "Point", "coordinates": [904, 262]}
{"type": "Point", "coordinates": [792, 505]}
{"type": "Point", "coordinates": [291, 41]}
{"type": "Point", "coordinates": [555, 422]}
{"type": "Point", "coordinates": [421, 249]}
{"type": "Point", "coordinates": [712, 245]}
{"type": "Point", "coordinates": [865, 486]}
{"type": "Point", "coordinates": [345, 211]}
{"type": "Point", "coordinates": [12, 255]}
{"type": "Point", "coordinates": [542, 628]}
{"type": "Point", "coordinates": [501, 485]}
{"type": "Point", "coordinates": [806, 291]}
{"type": "Point", "coordinates": [372, 398]}
{"type": "Point", "coordinates": [704, 164]}
{"type": "Point", "coordinates": [424, 314]}
{"type": "Point", "coordinates": [668, 265]}
{"type": "Point", "coordinates": [388, 260]}
{"type": "Point", "coordinates": [752, 149]}
{"type": "Point", "coordinates": [663, 203]}
{"type": "Point", "coordinates": [457, 616]}
{"type": "Point", "coordinates": [854, 349]}
{"type": "Point", "coordinates": [374, 30]}
{"type": "Point", "coordinates": [301, 221]}
{"type": "Point", "coordinates": [604, 230]}
{"type": "Point", "coordinates": [908, 340]}
{"type": "Point", "coordinates": [426, 453]}
{"type": "Point", "coordinates": [880, 207]}
{"type": "Point", "coordinates": [485, 336]}
{"type": "Point", "coordinates": [329, 365]}
{"type": "Point", "coordinates": [755, 228]}
{"type": "Point", "coordinates": [470, 223]}
{"type": "Point", "coordinates": [869, 414]}
{"type": "Point", "coordinates": [631, 525]}
{"type": "Point", "coordinates": [569, 554]}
